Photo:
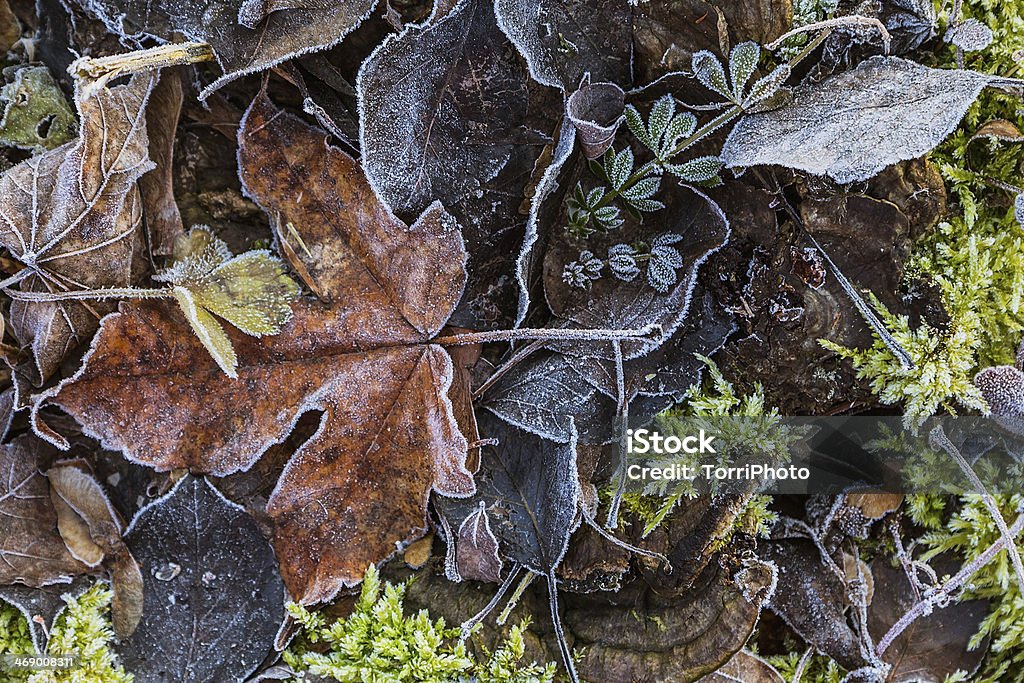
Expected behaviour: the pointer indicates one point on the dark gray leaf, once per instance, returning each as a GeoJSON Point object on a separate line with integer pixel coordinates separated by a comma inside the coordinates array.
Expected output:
{"type": "Point", "coordinates": [44, 604]}
{"type": "Point", "coordinates": [596, 111]}
{"type": "Point", "coordinates": [812, 599]}
{"type": "Point", "coordinates": [437, 103]}
{"type": "Point", "coordinates": [279, 30]}
{"type": "Point", "coordinates": [564, 39]}
{"type": "Point", "coordinates": [530, 489]}
{"type": "Point", "coordinates": [851, 126]}
{"type": "Point", "coordinates": [213, 596]}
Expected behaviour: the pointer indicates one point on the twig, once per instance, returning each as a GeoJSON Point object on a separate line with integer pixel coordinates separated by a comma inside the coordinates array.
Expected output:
{"type": "Point", "coordinates": [557, 334]}
{"type": "Point", "coordinates": [471, 623]}
{"type": "Point", "coordinates": [853, 20]}
{"type": "Point", "coordinates": [103, 69]}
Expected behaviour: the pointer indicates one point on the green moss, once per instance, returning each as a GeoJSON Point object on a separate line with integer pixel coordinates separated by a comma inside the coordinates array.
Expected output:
{"type": "Point", "coordinates": [820, 669]}
{"type": "Point", "coordinates": [83, 629]}
{"type": "Point", "coordinates": [379, 643]}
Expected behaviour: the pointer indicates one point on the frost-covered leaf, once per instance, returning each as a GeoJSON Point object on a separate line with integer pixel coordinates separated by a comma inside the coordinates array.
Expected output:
{"type": "Point", "coordinates": [851, 126]}
{"type": "Point", "coordinates": [936, 645]}
{"type": "Point", "coordinates": [618, 166]}
{"type": "Point", "coordinates": [970, 35]}
{"type": "Point", "coordinates": [596, 110]}
{"type": "Point", "coordinates": [251, 291]}
{"type": "Point", "coordinates": [1018, 208]}
{"type": "Point", "coordinates": [31, 549]}
{"type": "Point", "coordinates": [71, 216]}
{"type": "Point", "coordinates": [213, 597]}
{"type": "Point", "coordinates": [448, 113]}
{"type": "Point", "coordinates": [765, 89]}
{"type": "Point", "coordinates": [358, 488]}
{"type": "Point", "coordinates": [41, 606]}
{"type": "Point", "coordinates": [564, 39]}
{"type": "Point", "coordinates": [35, 113]}
{"type": "Point", "coordinates": [699, 170]}
{"type": "Point", "coordinates": [476, 548]}
{"type": "Point", "coordinates": [804, 580]}
{"type": "Point", "coordinates": [161, 213]}
{"type": "Point", "coordinates": [279, 30]}
{"type": "Point", "coordinates": [710, 73]}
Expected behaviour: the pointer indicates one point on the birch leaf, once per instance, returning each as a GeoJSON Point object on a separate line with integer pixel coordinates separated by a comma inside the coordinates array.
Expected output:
{"type": "Point", "coordinates": [852, 126]}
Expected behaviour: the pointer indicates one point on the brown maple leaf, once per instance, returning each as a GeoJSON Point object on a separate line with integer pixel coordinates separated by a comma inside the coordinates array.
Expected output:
{"type": "Point", "coordinates": [362, 354]}
{"type": "Point", "coordinates": [71, 216]}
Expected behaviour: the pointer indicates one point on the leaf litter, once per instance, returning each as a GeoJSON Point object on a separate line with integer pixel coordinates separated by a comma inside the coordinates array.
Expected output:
{"type": "Point", "coordinates": [492, 185]}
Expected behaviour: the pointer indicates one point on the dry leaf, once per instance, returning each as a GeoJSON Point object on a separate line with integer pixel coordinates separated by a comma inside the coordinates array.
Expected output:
{"type": "Point", "coordinates": [71, 216]}
{"type": "Point", "coordinates": [31, 549]}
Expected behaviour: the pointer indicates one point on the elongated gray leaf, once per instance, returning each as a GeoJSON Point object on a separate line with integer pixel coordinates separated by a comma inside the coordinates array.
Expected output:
{"type": "Point", "coordinates": [564, 39]}
{"type": "Point", "coordinates": [213, 596]}
{"type": "Point", "coordinates": [851, 126]}
{"type": "Point", "coordinates": [273, 32]}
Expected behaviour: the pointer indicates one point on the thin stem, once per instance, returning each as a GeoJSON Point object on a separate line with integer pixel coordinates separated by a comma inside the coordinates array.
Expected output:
{"type": "Point", "coordinates": [618, 542]}
{"type": "Point", "coordinates": [940, 593]}
{"type": "Point", "coordinates": [621, 420]}
{"type": "Point", "coordinates": [939, 437]}
{"type": "Point", "coordinates": [558, 334]}
{"type": "Point", "coordinates": [853, 20]}
{"type": "Point", "coordinates": [172, 54]}
{"type": "Point", "coordinates": [528, 578]}
{"type": "Point", "coordinates": [470, 624]}
{"type": "Point", "coordinates": [95, 294]}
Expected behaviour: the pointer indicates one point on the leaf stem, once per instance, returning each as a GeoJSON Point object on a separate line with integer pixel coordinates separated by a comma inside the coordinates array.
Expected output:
{"type": "Point", "coordinates": [557, 334]}
{"type": "Point", "coordinates": [109, 293]}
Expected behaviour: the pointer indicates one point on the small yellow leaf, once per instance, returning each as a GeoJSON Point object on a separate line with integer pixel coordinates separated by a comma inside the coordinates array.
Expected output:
{"type": "Point", "coordinates": [250, 291]}
{"type": "Point", "coordinates": [209, 331]}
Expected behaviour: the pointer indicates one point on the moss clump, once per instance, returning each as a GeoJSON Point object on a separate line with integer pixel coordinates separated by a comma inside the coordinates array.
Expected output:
{"type": "Point", "coordinates": [820, 669]}
{"type": "Point", "coordinates": [379, 643]}
{"type": "Point", "coordinates": [716, 398]}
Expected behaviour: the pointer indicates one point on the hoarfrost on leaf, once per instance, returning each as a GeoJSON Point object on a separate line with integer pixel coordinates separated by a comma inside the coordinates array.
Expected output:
{"type": "Point", "coordinates": [853, 125]}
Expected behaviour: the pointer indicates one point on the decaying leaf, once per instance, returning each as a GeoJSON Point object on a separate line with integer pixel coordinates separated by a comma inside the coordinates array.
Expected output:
{"type": "Point", "coordinates": [162, 216]}
{"type": "Point", "coordinates": [31, 549]}
{"type": "Point", "coordinates": [35, 114]}
{"type": "Point", "coordinates": [246, 36]}
{"type": "Point", "coordinates": [357, 490]}
{"type": "Point", "coordinates": [476, 548]}
{"type": "Point", "coordinates": [564, 39]}
{"type": "Point", "coordinates": [851, 126]}
{"type": "Point", "coordinates": [596, 111]}
{"type": "Point", "coordinates": [10, 30]}
{"type": "Point", "coordinates": [811, 598]}
{"type": "Point", "coordinates": [213, 597]}
{"type": "Point", "coordinates": [41, 606]}
{"type": "Point", "coordinates": [933, 647]}
{"type": "Point", "coordinates": [71, 215]}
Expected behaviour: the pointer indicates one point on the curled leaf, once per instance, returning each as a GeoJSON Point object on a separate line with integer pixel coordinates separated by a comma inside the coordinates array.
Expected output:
{"type": "Point", "coordinates": [596, 111]}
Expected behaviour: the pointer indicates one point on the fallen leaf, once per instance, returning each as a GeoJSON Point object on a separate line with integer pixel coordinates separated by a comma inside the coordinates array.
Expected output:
{"type": "Point", "coordinates": [448, 113]}
{"type": "Point", "coordinates": [851, 126]}
{"type": "Point", "coordinates": [41, 606]}
{"type": "Point", "coordinates": [209, 574]}
{"type": "Point", "coordinates": [476, 548]}
{"type": "Point", "coordinates": [564, 39]}
{"type": "Point", "coordinates": [71, 215]}
{"type": "Point", "coordinates": [10, 29]}
{"type": "Point", "coordinates": [246, 37]}
{"type": "Point", "coordinates": [805, 580]}
{"type": "Point", "coordinates": [36, 116]}
{"type": "Point", "coordinates": [31, 548]}
{"type": "Point", "coordinates": [596, 111]}
{"type": "Point", "coordinates": [357, 490]}
{"type": "Point", "coordinates": [160, 210]}
{"type": "Point", "coordinates": [933, 647]}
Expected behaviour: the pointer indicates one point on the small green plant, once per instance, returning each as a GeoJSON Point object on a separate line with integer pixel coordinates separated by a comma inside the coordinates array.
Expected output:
{"type": "Point", "coordinates": [378, 642]}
